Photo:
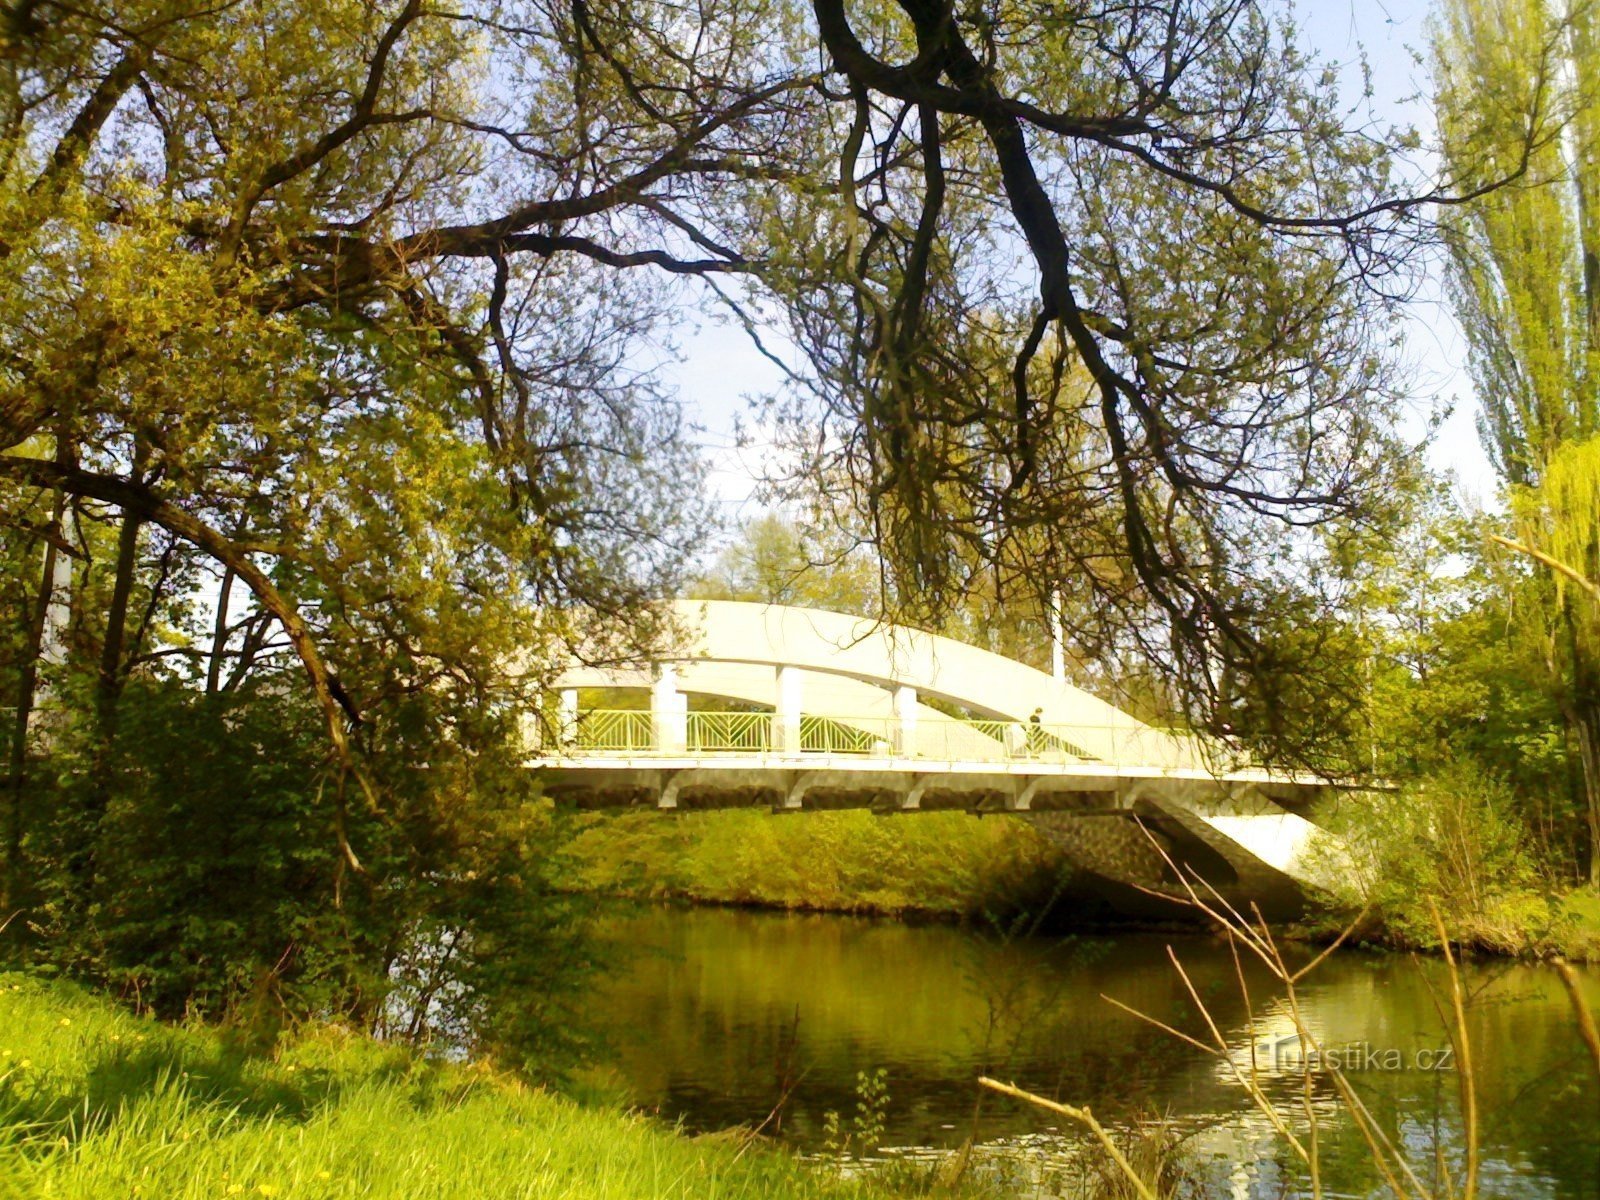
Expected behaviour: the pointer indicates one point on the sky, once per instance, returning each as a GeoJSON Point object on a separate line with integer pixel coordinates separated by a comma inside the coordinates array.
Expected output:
{"type": "Point", "coordinates": [720, 370]}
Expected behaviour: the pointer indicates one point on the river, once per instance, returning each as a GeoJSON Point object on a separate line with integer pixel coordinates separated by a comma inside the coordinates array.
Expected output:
{"type": "Point", "coordinates": [713, 1016]}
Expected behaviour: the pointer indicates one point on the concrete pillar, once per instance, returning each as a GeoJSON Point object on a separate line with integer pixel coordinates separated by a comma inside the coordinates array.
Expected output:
{"type": "Point", "coordinates": [669, 711]}
{"type": "Point", "coordinates": [786, 720]}
{"type": "Point", "coordinates": [905, 720]}
{"type": "Point", "coordinates": [1058, 639]}
{"type": "Point", "coordinates": [531, 734]}
{"type": "Point", "coordinates": [58, 612]}
{"type": "Point", "coordinates": [566, 716]}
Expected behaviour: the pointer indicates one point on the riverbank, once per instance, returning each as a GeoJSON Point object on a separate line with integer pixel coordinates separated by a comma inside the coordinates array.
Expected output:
{"type": "Point", "coordinates": [1524, 925]}
{"type": "Point", "coordinates": [95, 1102]}
{"type": "Point", "coordinates": [935, 865]}
{"type": "Point", "coordinates": [949, 866]}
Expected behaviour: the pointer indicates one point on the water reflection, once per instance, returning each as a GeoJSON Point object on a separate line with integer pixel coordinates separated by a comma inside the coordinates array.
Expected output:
{"type": "Point", "coordinates": [718, 1015]}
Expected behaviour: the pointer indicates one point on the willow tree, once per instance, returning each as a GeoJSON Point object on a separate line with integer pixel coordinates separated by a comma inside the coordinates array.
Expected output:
{"type": "Point", "coordinates": [1164, 199]}
{"type": "Point", "coordinates": [1526, 287]}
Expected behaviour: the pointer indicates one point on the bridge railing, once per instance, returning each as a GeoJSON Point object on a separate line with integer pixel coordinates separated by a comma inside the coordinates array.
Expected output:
{"type": "Point", "coordinates": [728, 732]}
{"type": "Point", "coordinates": [636, 732]}
{"type": "Point", "coordinates": [614, 731]}
{"type": "Point", "coordinates": [640, 733]}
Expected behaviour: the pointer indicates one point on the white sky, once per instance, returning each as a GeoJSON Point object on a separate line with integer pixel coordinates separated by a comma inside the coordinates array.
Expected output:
{"type": "Point", "coordinates": [721, 370]}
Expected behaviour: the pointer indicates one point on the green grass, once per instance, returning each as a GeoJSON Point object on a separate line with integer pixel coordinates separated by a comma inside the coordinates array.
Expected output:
{"type": "Point", "coordinates": [947, 864]}
{"type": "Point", "coordinates": [95, 1102]}
{"type": "Point", "coordinates": [1578, 925]}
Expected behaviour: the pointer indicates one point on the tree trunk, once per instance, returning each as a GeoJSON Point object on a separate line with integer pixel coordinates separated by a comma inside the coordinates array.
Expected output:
{"type": "Point", "coordinates": [219, 635]}
{"type": "Point", "coordinates": [27, 687]}
{"type": "Point", "coordinates": [1586, 728]}
{"type": "Point", "coordinates": [108, 686]}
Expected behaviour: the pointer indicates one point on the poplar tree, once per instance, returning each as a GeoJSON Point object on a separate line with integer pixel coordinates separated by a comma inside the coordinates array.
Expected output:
{"type": "Point", "coordinates": [1525, 283]}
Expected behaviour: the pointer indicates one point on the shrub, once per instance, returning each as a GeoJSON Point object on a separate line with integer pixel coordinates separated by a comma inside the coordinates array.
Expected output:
{"type": "Point", "coordinates": [1453, 838]}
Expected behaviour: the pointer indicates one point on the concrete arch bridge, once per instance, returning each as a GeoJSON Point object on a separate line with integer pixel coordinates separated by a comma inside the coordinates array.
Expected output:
{"type": "Point", "coordinates": [799, 709]}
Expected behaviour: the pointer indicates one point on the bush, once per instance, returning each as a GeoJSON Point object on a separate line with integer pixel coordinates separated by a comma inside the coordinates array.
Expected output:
{"type": "Point", "coordinates": [1452, 838]}
{"type": "Point", "coordinates": [195, 867]}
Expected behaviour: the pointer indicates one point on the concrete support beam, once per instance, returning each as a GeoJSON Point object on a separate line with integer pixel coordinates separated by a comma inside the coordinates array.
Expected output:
{"type": "Point", "coordinates": [786, 718]}
{"type": "Point", "coordinates": [905, 721]}
{"type": "Point", "coordinates": [669, 712]}
{"type": "Point", "coordinates": [794, 796]}
{"type": "Point", "coordinates": [671, 783]}
{"type": "Point", "coordinates": [912, 800]}
{"type": "Point", "coordinates": [1023, 802]}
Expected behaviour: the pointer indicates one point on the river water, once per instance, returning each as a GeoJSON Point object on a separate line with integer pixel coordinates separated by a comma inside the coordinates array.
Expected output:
{"type": "Point", "coordinates": [717, 1018]}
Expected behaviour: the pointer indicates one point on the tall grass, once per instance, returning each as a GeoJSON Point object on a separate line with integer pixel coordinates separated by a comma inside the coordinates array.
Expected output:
{"type": "Point", "coordinates": [97, 1103]}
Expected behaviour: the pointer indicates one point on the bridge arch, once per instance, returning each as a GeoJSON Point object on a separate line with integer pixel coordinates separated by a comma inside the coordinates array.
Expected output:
{"type": "Point", "coordinates": [853, 666]}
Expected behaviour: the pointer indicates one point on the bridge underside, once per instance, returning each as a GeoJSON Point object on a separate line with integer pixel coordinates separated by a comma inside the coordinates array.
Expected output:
{"type": "Point", "coordinates": [1132, 832]}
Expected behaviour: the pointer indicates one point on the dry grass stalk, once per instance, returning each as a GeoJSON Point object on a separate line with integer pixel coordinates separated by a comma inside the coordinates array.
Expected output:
{"type": "Point", "coordinates": [1085, 1118]}
{"type": "Point", "coordinates": [1256, 936]}
{"type": "Point", "coordinates": [1580, 1009]}
{"type": "Point", "coordinates": [1463, 1049]}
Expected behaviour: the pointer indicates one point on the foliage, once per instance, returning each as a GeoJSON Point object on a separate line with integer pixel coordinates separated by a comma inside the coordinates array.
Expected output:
{"type": "Point", "coordinates": [94, 1102]}
{"type": "Point", "coordinates": [1157, 1156]}
{"type": "Point", "coordinates": [861, 1133]}
{"type": "Point", "coordinates": [1451, 839]}
{"type": "Point", "coordinates": [213, 884]}
{"type": "Point", "coordinates": [199, 872]}
{"type": "Point", "coordinates": [1517, 84]}
{"type": "Point", "coordinates": [1117, 336]}
{"type": "Point", "coordinates": [1454, 660]}
{"type": "Point", "coordinates": [1520, 283]}
{"type": "Point", "coordinates": [775, 560]}
{"type": "Point", "coordinates": [325, 332]}
{"type": "Point", "coordinates": [280, 491]}
{"type": "Point", "coordinates": [1125, 390]}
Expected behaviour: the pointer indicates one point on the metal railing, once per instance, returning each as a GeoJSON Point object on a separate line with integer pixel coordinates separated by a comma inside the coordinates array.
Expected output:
{"type": "Point", "coordinates": [728, 732]}
{"type": "Point", "coordinates": [637, 732]}
{"type": "Point", "coordinates": [614, 731]}
{"type": "Point", "coordinates": [829, 735]}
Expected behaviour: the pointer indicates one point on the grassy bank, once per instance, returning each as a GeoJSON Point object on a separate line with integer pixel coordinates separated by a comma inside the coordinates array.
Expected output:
{"type": "Point", "coordinates": [96, 1103]}
{"type": "Point", "coordinates": [936, 864]}
{"type": "Point", "coordinates": [951, 865]}
{"type": "Point", "coordinates": [1523, 924]}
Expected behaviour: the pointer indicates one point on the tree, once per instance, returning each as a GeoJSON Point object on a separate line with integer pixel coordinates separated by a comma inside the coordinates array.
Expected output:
{"type": "Point", "coordinates": [1188, 222]}
{"type": "Point", "coordinates": [239, 271]}
{"type": "Point", "coordinates": [1103, 303]}
{"type": "Point", "coordinates": [1525, 273]}
{"type": "Point", "coordinates": [774, 560]}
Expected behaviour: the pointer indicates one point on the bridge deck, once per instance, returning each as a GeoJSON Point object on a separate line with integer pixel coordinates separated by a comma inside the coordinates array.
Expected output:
{"type": "Point", "coordinates": [1110, 773]}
